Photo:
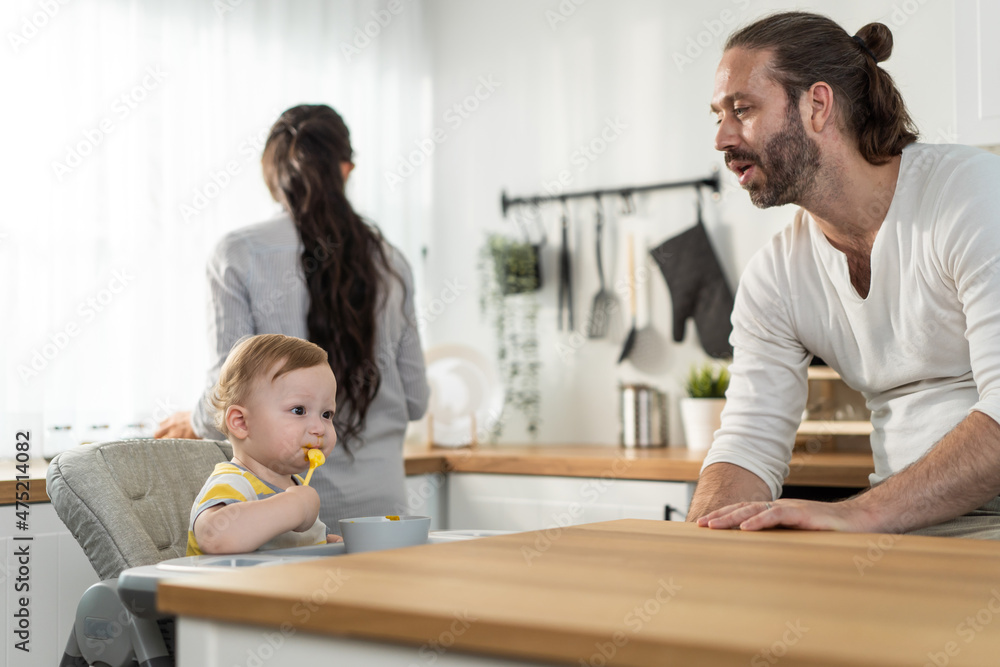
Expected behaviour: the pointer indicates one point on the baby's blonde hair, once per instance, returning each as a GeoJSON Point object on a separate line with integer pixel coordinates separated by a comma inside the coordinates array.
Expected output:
{"type": "Point", "coordinates": [251, 358]}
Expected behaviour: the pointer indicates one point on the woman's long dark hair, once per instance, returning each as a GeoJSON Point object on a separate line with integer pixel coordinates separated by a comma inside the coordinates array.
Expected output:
{"type": "Point", "coordinates": [344, 259]}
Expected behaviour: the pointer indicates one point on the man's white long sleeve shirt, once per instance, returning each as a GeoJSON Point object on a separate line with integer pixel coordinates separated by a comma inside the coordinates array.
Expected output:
{"type": "Point", "coordinates": [923, 347]}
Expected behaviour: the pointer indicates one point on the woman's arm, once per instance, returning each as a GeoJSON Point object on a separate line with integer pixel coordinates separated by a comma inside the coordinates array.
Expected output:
{"type": "Point", "coordinates": [410, 354]}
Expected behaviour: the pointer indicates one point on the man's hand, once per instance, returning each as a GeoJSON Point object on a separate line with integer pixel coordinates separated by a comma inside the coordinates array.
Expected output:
{"type": "Point", "coordinates": [846, 516]}
{"type": "Point", "coordinates": [723, 484]}
{"type": "Point", "coordinates": [177, 425]}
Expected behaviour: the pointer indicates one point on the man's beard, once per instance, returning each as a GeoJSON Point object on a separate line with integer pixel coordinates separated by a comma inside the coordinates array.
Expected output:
{"type": "Point", "coordinates": [789, 163]}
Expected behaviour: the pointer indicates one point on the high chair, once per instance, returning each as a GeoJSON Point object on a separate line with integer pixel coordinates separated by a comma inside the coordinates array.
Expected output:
{"type": "Point", "coordinates": [127, 503]}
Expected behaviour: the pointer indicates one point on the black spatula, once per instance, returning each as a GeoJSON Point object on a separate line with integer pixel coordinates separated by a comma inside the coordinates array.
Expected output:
{"type": "Point", "coordinates": [630, 339]}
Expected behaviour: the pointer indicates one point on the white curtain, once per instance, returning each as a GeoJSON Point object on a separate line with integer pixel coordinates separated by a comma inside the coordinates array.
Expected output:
{"type": "Point", "coordinates": [133, 134]}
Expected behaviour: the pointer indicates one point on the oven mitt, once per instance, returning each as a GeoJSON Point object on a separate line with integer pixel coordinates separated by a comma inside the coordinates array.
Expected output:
{"type": "Point", "coordinates": [698, 288]}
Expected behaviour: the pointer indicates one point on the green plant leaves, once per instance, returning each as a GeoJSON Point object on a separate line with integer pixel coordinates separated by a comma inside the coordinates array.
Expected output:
{"type": "Point", "coordinates": [707, 381]}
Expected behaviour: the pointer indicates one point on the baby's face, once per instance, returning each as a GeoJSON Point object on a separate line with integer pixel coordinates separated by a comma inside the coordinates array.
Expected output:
{"type": "Point", "coordinates": [290, 414]}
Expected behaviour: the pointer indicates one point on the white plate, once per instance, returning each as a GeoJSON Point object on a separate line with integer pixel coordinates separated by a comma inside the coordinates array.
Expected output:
{"type": "Point", "coordinates": [463, 383]}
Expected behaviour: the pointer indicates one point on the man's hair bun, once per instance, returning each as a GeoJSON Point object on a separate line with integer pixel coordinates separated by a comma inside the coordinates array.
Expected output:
{"type": "Point", "coordinates": [878, 38]}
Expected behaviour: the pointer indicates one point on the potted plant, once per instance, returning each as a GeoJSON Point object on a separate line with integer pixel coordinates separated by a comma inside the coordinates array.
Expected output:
{"type": "Point", "coordinates": [701, 411]}
{"type": "Point", "coordinates": [510, 278]}
{"type": "Point", "coordinates": [516, 264]}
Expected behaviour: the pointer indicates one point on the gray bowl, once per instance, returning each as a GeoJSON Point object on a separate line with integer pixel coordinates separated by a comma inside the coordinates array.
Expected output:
{"type": "Point", "coordinates": [374, 533]}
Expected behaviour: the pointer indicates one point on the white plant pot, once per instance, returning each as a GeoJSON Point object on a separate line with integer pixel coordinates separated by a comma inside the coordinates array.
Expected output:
{"type": "Point", "coordinates": [701, 418]}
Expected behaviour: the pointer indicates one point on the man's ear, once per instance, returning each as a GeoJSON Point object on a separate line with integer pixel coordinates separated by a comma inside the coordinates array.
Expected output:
{"type": "Point", "coordinates": [236, 422]}
{"type": "Point", "coordinates": [820, 99]}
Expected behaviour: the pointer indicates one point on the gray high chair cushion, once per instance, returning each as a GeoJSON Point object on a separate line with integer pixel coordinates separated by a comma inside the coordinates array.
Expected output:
{"type": "Point", "coordinates": [127, 502]}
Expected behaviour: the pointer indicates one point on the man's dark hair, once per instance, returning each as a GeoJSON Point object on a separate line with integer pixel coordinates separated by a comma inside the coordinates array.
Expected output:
{"type": "Point", "coordinates": [809, 48]}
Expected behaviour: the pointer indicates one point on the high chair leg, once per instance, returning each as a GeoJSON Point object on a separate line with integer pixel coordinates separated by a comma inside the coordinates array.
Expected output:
{"type": "Point", "coordinates": [71, 655]}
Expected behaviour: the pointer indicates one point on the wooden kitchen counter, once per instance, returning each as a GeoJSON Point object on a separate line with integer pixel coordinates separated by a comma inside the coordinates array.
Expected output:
{"type": "Point", "coordinates": [648, 592]}
{"type": "Point", "coordinates": [673, 464]}
{"type": "Point", "coordinates": [676, 464]}
{"type": "Point", "coordinates": [36, 483]}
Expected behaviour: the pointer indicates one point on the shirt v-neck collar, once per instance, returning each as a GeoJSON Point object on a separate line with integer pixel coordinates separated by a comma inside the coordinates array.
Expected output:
{"type": "Point", "coordinates": [835, 260]}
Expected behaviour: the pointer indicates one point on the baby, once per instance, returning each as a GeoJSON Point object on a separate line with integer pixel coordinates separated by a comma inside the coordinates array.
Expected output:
{"type": "Point", "coordinates": [275, 400]}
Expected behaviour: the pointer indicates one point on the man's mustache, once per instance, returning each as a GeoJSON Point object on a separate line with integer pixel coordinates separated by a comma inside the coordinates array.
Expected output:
{"type": "Point", "coordinates": [742, 155]}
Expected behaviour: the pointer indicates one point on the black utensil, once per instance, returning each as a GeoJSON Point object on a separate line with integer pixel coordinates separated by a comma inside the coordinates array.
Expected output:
{"type": "Point", "coordinates": [630, 339]}
{"type": "Point", "coordinates": [565, 275]}
{"type": "Point", "coordinates": [604, 300]}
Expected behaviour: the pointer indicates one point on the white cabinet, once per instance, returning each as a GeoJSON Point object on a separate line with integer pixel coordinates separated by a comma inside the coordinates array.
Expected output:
{"type": "Point", "coordinates": [530, 502]}
{"type": "Point", "coordinates": [425, 496]}
{"type": "Point", "coordinates": [977, 72]}
{"type": "Point", "coordinates": [57, 573]}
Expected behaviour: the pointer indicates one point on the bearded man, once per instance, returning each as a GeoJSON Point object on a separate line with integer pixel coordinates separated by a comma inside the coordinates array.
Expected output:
{"type": "Point", "coordinates": [889, 273]}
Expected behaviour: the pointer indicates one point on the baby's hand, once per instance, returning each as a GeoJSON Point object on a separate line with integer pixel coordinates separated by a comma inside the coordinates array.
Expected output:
{"type": "Point", "coordinates": [331, 538]}
{"type": "Point", "coordinates": [306, 500]}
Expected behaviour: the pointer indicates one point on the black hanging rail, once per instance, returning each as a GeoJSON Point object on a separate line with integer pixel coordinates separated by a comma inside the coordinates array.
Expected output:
{"type": "Point", "coordinates": [713, 182]}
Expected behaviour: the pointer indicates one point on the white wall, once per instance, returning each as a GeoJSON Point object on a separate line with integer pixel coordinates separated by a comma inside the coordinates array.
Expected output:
{"type": "Point", "coordinates": [176, 166]}
{"type": "Point", "coordinates": [559, 83]}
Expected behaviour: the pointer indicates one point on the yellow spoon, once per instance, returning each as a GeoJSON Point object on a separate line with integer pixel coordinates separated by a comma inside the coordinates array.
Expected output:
{"type": "Point", "coordinates": [316, 459]}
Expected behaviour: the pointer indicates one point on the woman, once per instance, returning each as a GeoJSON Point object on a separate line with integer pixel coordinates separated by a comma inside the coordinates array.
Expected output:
{"type": "Point", "coordinates": [319, 272]}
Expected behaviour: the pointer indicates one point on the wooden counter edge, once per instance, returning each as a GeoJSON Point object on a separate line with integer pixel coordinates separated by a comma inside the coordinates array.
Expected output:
{"type": "Point", "coordinates": [555, 465]}
{"type": "Point", "coordinates": [36, 491]}
{"type": "Point", "coordinates": [558, 643]}
{"type": "Point", "coordinates": [834, 469]}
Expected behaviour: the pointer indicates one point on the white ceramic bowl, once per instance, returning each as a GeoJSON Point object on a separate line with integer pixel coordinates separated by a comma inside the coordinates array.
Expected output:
{"type": "Point", "coordinates": [374, 533]}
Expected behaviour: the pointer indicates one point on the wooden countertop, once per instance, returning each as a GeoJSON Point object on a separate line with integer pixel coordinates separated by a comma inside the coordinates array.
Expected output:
{"type": "Point", "coordinates": [36, 483]}
{"type": "Point", "coordinates": [848, 469]}
{"type": "Point", "coordinates": [655, 592]}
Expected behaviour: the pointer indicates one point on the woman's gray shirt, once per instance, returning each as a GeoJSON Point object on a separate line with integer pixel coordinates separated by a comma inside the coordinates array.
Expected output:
{"type": "Point", "coordinates": [256, 286]}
